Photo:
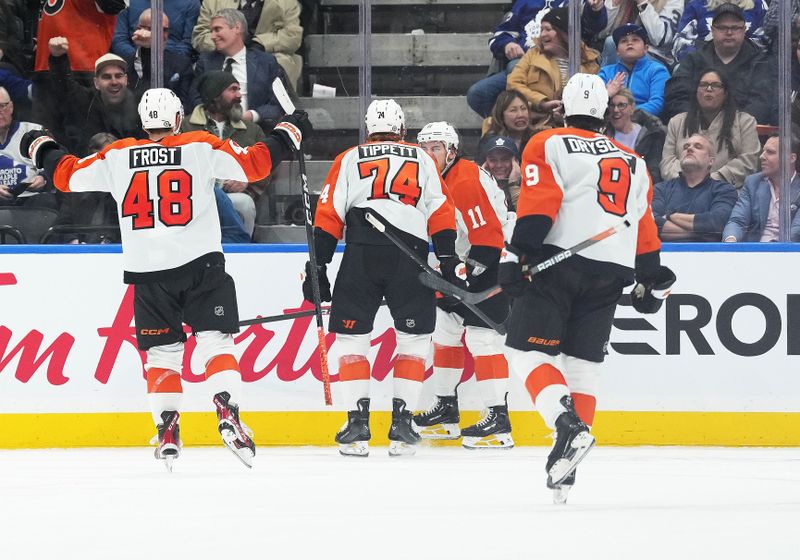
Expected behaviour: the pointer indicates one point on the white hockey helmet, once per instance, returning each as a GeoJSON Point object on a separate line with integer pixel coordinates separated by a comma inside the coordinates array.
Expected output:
{"type": "Point", "coordinates": [439, 131]}
{"type": "Point", "coordinates": [160, 108]}
{"type": "Point", "coordinates": [585, 94]}
{"type": "Point", "coordinates": [384, 115]}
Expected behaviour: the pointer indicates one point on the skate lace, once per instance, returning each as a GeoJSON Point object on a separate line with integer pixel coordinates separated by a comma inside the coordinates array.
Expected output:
{"type": "Point", "coordinates": [438, 405]}
{"type": "Point", "coordinates": [487, 418]}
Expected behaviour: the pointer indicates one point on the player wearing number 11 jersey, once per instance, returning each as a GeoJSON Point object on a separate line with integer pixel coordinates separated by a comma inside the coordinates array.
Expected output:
{"type": "Point", "coordinates": [576, 183]}
{"type": "Point", "coordinates": [398, 183]}
{"type": "Point", "coordinates": [172, 252]}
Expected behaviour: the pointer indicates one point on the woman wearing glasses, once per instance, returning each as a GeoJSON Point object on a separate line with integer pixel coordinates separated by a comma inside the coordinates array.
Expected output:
{"type": "Point", "coordinates": [713, 110]}
{"type": "Point", "coordinates": [637, 130]}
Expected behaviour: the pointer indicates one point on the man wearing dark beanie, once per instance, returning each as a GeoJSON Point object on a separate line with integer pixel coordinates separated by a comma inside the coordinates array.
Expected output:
{"type": "Point", "coordinates": [221, 114]}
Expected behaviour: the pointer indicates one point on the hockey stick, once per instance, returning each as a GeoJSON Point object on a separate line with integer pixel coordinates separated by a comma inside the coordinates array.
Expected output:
{"type": "Point", "coordinates": [428, 271]}
{"type": "Point", "coordinates": [441, 285]}
{"type": "Point", "coordinates": [286, 104]}
{"type": "Point", "coordinates": [326, 310]}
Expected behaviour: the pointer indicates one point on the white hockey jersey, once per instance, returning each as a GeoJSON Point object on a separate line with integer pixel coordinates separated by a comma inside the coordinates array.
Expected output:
{"type": "Point", "coordinates": [165, 193]}
{"type": "Point", "coordinates": [14, 168]}
{"type": "Point", "coordinates": [481, 212]}
{"type": "Point", "coordinates": [397, 180]}
{"type": "Point", "coordinates": [586, 183]}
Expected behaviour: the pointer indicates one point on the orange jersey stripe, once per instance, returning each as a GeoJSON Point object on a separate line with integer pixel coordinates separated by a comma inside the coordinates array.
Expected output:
{"type": "Point", "coordinates": [353, 368]}
{"type": "Point", "coordinates": [540, 194]}
{"type": "Point", "coordinates": [160, 380]}
{"type": "Point", "coordinates": [326, 217]}
{"type": "Point", "coordinates": [448, 356]}
{"type": "Point", "coordinates": [648, 240]}
{"type": "Point", "coordinates": [464, 183]}
{"type": "Point", "coordinates": [491, 367]}
{"type": "Point", "coordinates": [223, 362]}
{"type": "Point", "coordinates": [411, 368]}
{"type": "Point", "coordinates": [585, 406]}
{"type": "Point", "coordinates": [541, 377]}
{"type": "Point", "coordinates": [443, 217]}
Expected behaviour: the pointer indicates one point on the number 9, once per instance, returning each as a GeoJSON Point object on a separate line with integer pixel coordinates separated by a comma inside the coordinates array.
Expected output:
{"type": "Point", "coordinates": [531, 175]}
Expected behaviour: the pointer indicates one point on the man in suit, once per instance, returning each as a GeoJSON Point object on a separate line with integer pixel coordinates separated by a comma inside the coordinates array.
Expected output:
{"type": "Point", "coordinates": [253, 69]}
{"type": "Point", "coordinates": [756, 214]}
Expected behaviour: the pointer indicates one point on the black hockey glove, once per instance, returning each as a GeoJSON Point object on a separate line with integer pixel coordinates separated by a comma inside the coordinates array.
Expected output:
{"type": "Point", "coordinates": [510, 275]}
{"type": "Point", "coordinates": [34, 144]}
{"type": "Point", "coordinates": [324, 284]}
{"type": "Point", "coordinates": [647, 297]}
{"type": "Point", "coordinates": [293, 128]}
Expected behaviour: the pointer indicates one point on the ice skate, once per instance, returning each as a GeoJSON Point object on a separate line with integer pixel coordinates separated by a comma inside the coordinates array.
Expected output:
{"type": "Point", "coordinates": [403, 439]}
{"type": "Point", "coordinates": [561, 490]}
{"type": "Point", "coordinates": [493, 431]}
{"type": "Point", "coordinates": [572, 442]}
{"type": "Point", "coordinates": [169, 438]}
{"type": "Point", "coordinates": [353, 438]}
{"type": "Point", "coordinates": [440, 421]}
{"type": "Point", "coordinates": [235, 434]}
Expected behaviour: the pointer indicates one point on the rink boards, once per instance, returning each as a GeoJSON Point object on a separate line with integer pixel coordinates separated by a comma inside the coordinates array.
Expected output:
{"type": "Point", "coordinates": [717, 365]}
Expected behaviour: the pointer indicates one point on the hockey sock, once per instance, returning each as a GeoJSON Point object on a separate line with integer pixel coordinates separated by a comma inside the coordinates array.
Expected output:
{"type": "Point", "coordinates": [223, 374]}
{"type": "Point", "coordinates": [164, 391]}
{"type": "Point", "coordinates": [448, 365]}
{"type": "Point", "coordinates": [585, 406]}
{"type": "Point", "coordinates": [409, 372]}
{"type": "Point", "coordinates": [547, 386]}
{"type": "Point", "coordinates": [491, 373]}
{"type": "Point", "coordinates": [354, 378]}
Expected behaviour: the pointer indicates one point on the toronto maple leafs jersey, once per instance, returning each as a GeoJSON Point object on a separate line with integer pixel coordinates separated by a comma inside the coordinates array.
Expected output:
{"type": "Point", "coordinates": [165, 194]}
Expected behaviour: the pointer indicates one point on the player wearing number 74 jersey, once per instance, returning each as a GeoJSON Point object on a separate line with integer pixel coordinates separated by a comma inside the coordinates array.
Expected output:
{"type": "Point", "coordinates": [172, 251]}
{"type": "Point", "coordinates": [576, 183]}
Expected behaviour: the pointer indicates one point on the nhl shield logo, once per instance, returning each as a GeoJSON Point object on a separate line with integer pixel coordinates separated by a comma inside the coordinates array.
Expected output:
{"type": "Point", "coordinates": [219, 311]}
{"type": "Point", "coordinates": [411, 323]}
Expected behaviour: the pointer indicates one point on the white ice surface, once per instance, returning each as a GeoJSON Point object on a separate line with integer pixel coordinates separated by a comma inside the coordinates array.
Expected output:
{"type": "Point", "coordinates": [449, 504]}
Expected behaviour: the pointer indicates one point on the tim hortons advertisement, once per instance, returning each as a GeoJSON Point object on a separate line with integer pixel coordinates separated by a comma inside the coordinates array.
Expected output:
{"type": "Point", "coordinates": [726, 340]}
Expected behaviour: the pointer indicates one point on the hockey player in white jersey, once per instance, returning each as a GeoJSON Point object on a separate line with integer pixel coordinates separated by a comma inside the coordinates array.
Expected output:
{"type": "Point", "coordinates": [481, 216]}
{"type": "Point", "coordinates": [576, 183]}
{"type": "Point", "coordinates": [172, 251]}
{"type": "Point", "coordinates": [398, 183]}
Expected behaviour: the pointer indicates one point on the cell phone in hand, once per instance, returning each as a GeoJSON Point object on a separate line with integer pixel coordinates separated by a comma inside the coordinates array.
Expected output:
{"type": "Point", "coordinates": [18, 189]}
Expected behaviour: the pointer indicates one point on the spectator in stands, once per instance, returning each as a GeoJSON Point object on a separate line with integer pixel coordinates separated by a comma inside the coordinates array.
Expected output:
{"type": "Point", "coordinates": [273, 25]}
{"type": "Point", "coordinates": [90, 208]}
{"type": "Point", "coordinates": [771, 19]}
{"type": "Point", "coordinates": [636, 71]}
{"type": "Point", "coordinates": [732, 52]}
{"type": "Point", "coordinates": [510, 118]}
{"type": "Point", "coordinates": [517, 33]}
{"type": "Point", "coordinates": [542, 72]}
{"type": "Point", "coordinates": [12, 38]}
{"type": "Point", "coordinates": [88, 25]}
{"type": "Point", "coordinates": [659, 18]}
{"type": "Point", "coordinates": [253, 69]}
{"type": "Point", "coordinates": [177, 66]}
{"type": "Point", "coordinates": [17, 87]}
{"type": "Point", "coordinates": [756, 215]}
{"type": "Point", "coordinates": [221, 115]}
{"type": "Point", "coordinates": [110, 107]}
{"type": "Point", "coordinates": [20, 182]}
{"type": "Point", "coordinates": [129, 36]}
{"type": "Point", "coordinates": [693, 26]}
{"type": "Point", "coordinates": [693, 206]}
{"type": "Point", "coordinates": [500, 157]}
{"type": "Point", "coordinates": [713, 110]}
{"type": "Point", "coordinates": [637, 130]}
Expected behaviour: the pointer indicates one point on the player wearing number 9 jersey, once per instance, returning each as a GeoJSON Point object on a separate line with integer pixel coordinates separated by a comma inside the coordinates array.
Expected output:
{"type": "Point", "coordinates": [172, 252]}
{"type": "Point", "coordinates": [576, 183]}
{"type": "Point", "coordinates": [398, 183]}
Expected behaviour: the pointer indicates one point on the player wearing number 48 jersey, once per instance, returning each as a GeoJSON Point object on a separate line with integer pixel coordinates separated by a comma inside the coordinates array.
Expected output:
{"type": "Point", "coordinates": [172, 252]}
{"type": "Point", "coordinates": [398, 183]}
{"type": "Point", "coordinates": [482, 216]}
{"type": "Point", "coordinates": [576, 183]}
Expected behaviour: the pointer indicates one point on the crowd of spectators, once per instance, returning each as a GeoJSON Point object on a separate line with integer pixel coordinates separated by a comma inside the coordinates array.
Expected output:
{"type": "Point", "coordinates": [690, 84]}
{"type": "Point", "coordinates": [79, 67]}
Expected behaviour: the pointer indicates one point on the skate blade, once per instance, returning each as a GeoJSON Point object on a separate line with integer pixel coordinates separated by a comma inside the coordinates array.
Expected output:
{"type": "Point", "coordinates": [494, 441]}
{"type": "Point", "coordinates": [560, 493]}
{"type": "Point", "coordinates": [354, 449]}
{"type": "Point", "coordinates": [244, 454]}
{"type": "Point", "coordinates": [401, 448]}
{"type": "Point", "coordinates": [168, 460]}
{"type": "Point", "coordinates": [562, 468]}
{"type": "Point", "coordinates": [438, 431]}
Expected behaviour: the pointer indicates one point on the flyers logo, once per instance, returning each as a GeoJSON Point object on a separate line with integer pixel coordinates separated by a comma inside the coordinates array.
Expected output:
{"type": "Point", "coordinates": [52, 7]}
{"type": "Point", "coordinates": [239, 150]}
{"type": "Point", "coordinates": [348, 323]}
